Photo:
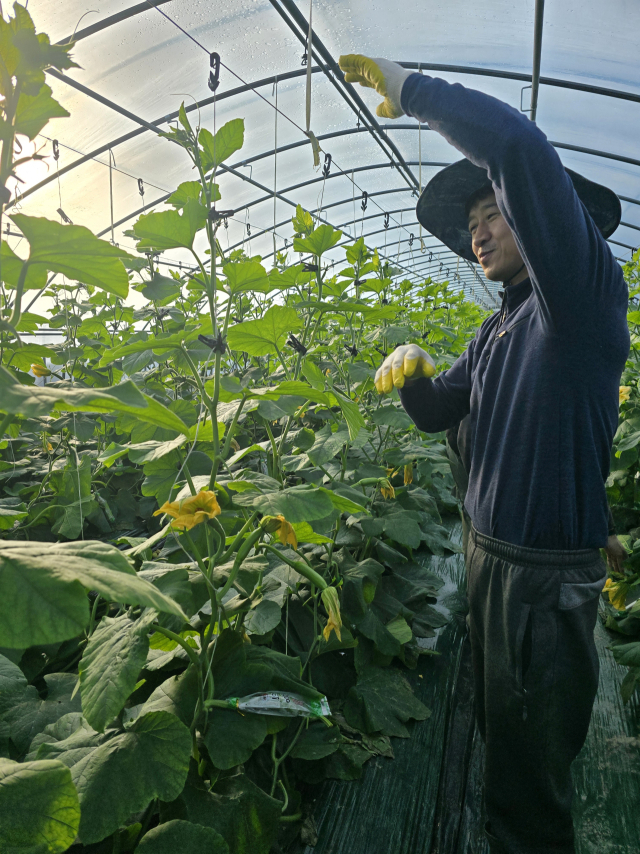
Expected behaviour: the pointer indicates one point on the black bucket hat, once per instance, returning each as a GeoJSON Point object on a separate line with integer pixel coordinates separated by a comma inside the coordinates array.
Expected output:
{"type": "Point", "coordinates": [441, 207]}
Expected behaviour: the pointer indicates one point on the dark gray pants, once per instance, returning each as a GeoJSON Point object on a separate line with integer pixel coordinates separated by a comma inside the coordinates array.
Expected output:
{"type": "Point", "coordinates": [532, 616]}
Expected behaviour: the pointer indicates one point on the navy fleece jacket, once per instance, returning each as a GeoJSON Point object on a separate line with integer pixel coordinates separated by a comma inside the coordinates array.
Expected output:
{"type": "Point", "coordinates": [542, 385]}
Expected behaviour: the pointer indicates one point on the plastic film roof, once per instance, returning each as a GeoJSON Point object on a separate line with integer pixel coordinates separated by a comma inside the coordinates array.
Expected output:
{"type": "Point", "coordinates": [137, 67]}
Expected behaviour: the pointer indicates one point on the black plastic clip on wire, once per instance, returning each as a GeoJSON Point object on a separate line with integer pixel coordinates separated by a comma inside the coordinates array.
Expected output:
{"type": "Point", "coordinates": [310, 268]}
{"type": "Point", "coordinates": [365, 200]}
{"type": "Point", "coordinates": [214, 74]}
{"type": "Point", "coordinates": [217, 344]}
{"type": "Point", "coordinates": [411, 239]}
{"type": "Point", "coordinates": [297, 345]}
{"type": "Point", "coordinates": [216, 216]}
{"type": "Point", "coordinates": [56, 150]}
{"type": "Point", "coordinates": [64, 217]}
{"type": "Point", "coordinates": [386, 220]}
{"type": "Point", "coordinates": [327, 165]}
{"type": "Point", "coordinates": [141, 188]}
{"type": "Point", "coordinates": [352, 350]}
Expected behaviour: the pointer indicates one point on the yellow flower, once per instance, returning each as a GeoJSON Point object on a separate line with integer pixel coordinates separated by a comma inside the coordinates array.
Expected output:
{"type": "Point", "coordinates": [192, 510]}
{"type": "Point", "coordinates": [40, 371]}
{"type": "Point", "coordinates": [624, 393]}
{"type": "Point", "coordinates": [279, 525]}
{"type": "Point", "coordinates": [286, 534]}
{"type": "Point", "coordinates": [49, 447]}
{"type": "Point", "coordinates": [617, 591]}
{"type": "Point", "coordinates": [408, 474]}
{"type": "Point", "coordinates": [332, 604]}
{"type": "Point", "coordinates": [386, 489]}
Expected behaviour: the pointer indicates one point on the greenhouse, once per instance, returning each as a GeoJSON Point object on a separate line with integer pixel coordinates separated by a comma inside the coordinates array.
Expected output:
{"type": "Point", "coordinates": [319, 427]}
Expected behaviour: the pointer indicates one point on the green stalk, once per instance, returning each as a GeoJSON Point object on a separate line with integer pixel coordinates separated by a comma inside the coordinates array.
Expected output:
{"type": "Point", "coordinates": [240, 536]}
{"type": "Point", "coordinates": [230, 431]}
{"type": "Point", "coordinates": [274, 452]}
{"type": "Point", "coordinates": [17, 303]}
{"type": "Point", "coordinates": [299, 566]}
{"type": "Point", "coordinates": [243, 551]}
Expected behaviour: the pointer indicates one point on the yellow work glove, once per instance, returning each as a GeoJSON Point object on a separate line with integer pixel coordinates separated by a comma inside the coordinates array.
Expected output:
{"type": "Point", "coordinates": [408, 362]}
{"type": "Point", "coordinates": [386, 77]}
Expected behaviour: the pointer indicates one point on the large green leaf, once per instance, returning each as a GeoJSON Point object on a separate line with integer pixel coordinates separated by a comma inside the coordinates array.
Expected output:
{"type": "Point", "coordinates": [162, 230]}
{"type": "Point", "coordinates": [123, 775]}
{"type": "Point", "coordinates": [34, 111]}
{"type": "Point", "coordinates": [352, 414]}
{"type": "Point", "coordinates": [12, 266]}
{"type": "Point", "coordinates": [42, 589]}
{"type": "Point", "coordinates": [327, 444]}
{"type": "Point", "coordinates": [75, 252]}
{"type": "Point", "coordinates": [73, 501]}
{"type": "Point", "coordinates": [184, 837]}
{"type": "Point", "coordinates": [247, 818]}
{"type": "Point", "coordinates": [29, 713]}
{"type": "Point", "coordinates": [39, 809]}
{"type": "Point", "coordinates": [158, 343]}
{"type": "Point", "coordinates": [161, 289]}
{"type": "Point", "coordinates": [318, 242]}
{"type": "Point", "coordinates": [391, 416]}
{"type": "Point", "coordinates": [345, 504]}
{"type": "Point", "coordinates": [36, 401]}
{"type": "Point", "coordinates": [627, 653]}
{"type": "Point", "coordinates": [297, 504]}
{"type": "Point", "coordinates": [246, 276]}
{"type": "Point", "coordinates": [71, 724]}
{"type": "Point", "coordinates": [267, 335]}
{"type": "Point", "coordinates": [177, 695]}
{"type": "Point", "coordinates": [216, 149]}
{"type": "Point", "coordinates": [110, 666]}
{"type": "Point", "coordinates": [382, 701]}
{"type": "Point", "coordinates": [11, 511]}
{"type": "Point", "coordinates": [22, 357]}
{"type": "Point", "coordinates": [231, 738]}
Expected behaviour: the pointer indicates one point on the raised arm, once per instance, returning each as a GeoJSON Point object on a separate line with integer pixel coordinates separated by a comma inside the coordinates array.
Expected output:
{"type": "Point", "coordinates": [573, 272]}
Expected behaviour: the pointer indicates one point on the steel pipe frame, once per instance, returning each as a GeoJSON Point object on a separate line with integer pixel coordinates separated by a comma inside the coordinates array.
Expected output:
{"type": "Point", "coordinates": [461, 69]}
{"type": "Point", "coordinates": [142, 7]}
{"type": "Point", "coordinates": [120, 140]}
{"type": "Point", "coordinates": [105, 23]}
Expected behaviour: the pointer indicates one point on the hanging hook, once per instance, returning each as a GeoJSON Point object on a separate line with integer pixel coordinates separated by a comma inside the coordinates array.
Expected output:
{"type": "Point", "coordinates": [214, 74]}
{"type": "Point", "coordinates": [411, 239]}
{"type": "Point", "coordinates": [56, 150]}
{"type": "Point", "coordinates": [386, 220]}
{"type": "Point", "coordinates": [327, 165]}
{"type": "Point", "coordinates": [365, 200]}
{"type": "Point", "coordinates": [141, 188]}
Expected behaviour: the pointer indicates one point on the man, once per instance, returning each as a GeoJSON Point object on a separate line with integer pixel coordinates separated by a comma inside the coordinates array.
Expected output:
{"type": "Point", "coordinates": [540, 383]}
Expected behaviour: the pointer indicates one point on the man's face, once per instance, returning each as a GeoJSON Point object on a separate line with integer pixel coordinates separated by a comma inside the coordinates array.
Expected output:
{"type": "Point", "coordinates": [492, 242]}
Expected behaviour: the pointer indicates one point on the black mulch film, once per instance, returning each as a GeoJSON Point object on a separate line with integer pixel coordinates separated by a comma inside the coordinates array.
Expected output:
{"type": "Point", "coordinates": [428, 800]}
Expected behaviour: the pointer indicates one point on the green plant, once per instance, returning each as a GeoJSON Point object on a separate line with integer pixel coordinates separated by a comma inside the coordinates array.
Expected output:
{"type": "Point", "coordinates": [205, 500]}
{"type": "Point", "coordinates": [623, 486]}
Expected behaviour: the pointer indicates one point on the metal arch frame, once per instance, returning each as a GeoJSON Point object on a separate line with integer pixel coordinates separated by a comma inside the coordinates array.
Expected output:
{"type": "Point", "coordinates": [270, 194]}
{"type": "Point", "coordinates": [316, 43]}
{"type": "Point", "coordinates": [132, 11]}
{"type": "Point", "coordinates": [105, 23]}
